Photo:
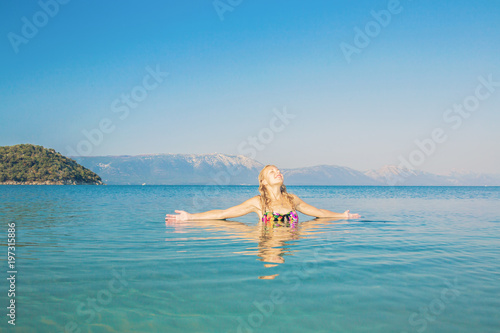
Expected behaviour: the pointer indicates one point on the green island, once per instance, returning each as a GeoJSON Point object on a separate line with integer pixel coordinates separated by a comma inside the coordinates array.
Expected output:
{"type": "Point", "coordinates": [27, 164]}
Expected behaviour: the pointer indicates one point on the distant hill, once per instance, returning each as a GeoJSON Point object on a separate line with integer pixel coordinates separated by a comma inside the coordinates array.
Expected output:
{"type": "Point", "coordinates": [393, 175]}
{"type": "Point", "coordinates": [214, 169]}
{"type": "Point", "coordinates": [174, 169]}
{"type": "Point", "coordinates": [222, 169]}
{"type": "Point", "coordinates": [326, 175]}
{"type": "Point", "coordinates": [30, 164]}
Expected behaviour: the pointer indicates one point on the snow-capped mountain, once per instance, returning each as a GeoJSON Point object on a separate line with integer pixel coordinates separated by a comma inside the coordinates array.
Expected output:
{"type": "Point", "coordinates": [222, 169]}
{"type": "Point", "coordinates": [326, 175]}
{"type": "Point", "coordinates": [393, 175]}
{"type": "Point", "coordinates": [174, 169]}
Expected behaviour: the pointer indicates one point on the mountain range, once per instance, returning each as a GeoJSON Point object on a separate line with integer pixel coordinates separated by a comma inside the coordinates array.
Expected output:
{"type": "Point", "coordinates": [223, 169]}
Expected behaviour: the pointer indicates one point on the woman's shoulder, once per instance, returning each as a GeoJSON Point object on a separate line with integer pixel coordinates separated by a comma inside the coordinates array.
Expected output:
{"type": "Point", "coordinates": [255, 201]}
{"type": "Point", "coordinates": [295, 198]}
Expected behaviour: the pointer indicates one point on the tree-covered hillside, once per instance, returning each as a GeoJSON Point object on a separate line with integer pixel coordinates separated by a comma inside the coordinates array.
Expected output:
{"type": "Point", "coordinates": [27, 163]}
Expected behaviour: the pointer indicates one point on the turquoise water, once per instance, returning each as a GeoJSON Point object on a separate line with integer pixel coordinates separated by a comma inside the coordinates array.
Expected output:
{"type": "Point", "coordinates": [102, 259]}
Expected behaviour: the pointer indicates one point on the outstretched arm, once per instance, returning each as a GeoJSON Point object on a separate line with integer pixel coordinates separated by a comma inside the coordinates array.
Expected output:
{"type": "Point", "coordinates": [249, 206]}
{"type": "Point", "coordinates": [317, 212]}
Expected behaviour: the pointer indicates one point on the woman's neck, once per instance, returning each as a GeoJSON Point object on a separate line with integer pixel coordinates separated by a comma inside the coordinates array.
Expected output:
{"type": "Point", "coordinates": [275, 192]}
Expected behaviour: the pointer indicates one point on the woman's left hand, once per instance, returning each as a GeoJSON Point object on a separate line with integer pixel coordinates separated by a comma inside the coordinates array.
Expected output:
{"type": "Point", "coordinates": [351, 216]}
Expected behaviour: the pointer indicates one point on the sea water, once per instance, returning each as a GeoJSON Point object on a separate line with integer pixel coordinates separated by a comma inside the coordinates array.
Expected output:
{"type": "Point", "coordinates": [103, 259]}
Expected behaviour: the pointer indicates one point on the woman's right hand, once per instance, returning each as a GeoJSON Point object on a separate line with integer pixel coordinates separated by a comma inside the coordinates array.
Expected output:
{"type": "Point", "coordinates": [180, 216]}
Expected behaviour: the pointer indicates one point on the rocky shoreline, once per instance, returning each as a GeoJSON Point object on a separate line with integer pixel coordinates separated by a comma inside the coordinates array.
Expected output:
{"type": "Point", "coordinates": [60, 182]}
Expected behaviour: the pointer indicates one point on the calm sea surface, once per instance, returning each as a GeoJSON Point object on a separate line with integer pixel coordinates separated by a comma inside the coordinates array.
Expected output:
{"type": "Point", "coordinates": [102, 259]}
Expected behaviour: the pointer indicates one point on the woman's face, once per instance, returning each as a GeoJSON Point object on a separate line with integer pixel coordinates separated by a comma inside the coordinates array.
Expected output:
{"type": "Point", "coordinates": [273, 176]}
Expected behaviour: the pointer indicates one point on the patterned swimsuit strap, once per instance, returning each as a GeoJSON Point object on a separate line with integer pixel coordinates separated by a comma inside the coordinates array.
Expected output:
{"type": "Point", "coordinates": [273, 216]}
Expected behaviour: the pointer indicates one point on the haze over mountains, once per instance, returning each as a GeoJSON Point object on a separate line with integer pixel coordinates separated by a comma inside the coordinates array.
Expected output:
{"type": "Point", "coordinates": [222, 169]}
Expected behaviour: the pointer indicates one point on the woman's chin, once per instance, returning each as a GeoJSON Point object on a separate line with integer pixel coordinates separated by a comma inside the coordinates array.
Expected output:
{"type": "Point", "coordinates": [277, 182]}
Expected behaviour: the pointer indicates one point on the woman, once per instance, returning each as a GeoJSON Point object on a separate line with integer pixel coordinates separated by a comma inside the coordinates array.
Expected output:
{"type": "Point", "coordinates": [274, 204]}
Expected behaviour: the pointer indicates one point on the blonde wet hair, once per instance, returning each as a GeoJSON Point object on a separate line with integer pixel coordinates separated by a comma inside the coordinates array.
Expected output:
{"type": "Point", "coordinates": [265, 198]}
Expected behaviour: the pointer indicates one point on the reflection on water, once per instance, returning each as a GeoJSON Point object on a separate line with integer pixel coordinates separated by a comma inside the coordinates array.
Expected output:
{"type": "Point", "coordinates": [272, 243]}
{"type": "Point", "coordinates": [385, 274]}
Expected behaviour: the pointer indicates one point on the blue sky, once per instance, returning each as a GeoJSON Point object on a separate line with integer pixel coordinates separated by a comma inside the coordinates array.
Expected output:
{"type": "Point", "coordinates": [231, 69]}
